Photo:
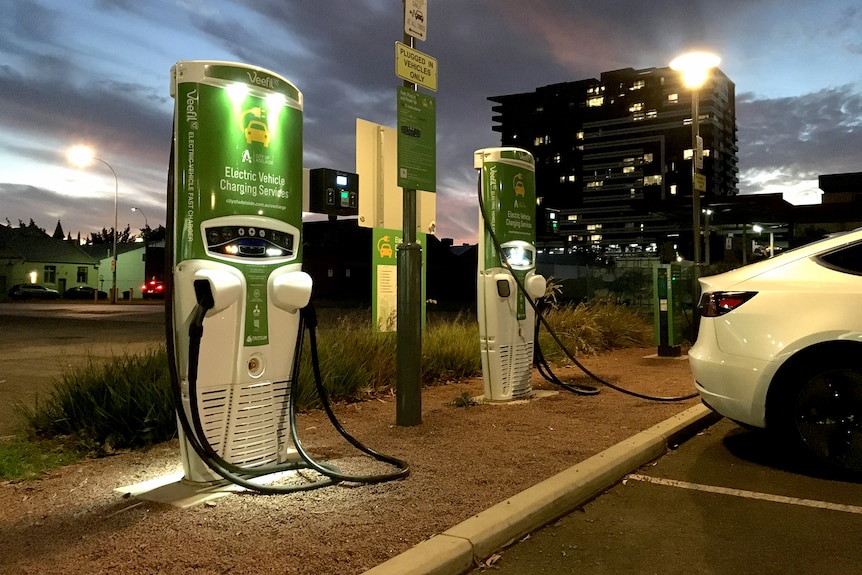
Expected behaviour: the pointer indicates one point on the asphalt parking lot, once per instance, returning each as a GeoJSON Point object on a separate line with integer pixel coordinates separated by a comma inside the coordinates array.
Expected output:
{"type": "Point", "coordinates": [43, 339]}
{"type": "Point", "coordinates": [728, 500]}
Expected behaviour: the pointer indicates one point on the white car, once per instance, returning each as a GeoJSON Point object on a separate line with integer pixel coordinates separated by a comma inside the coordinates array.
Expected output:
{"type": "Point", "coordinates": [780, 347]}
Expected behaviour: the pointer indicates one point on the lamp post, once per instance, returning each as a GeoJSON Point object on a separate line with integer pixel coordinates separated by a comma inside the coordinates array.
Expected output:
{"type": "Point", "coordinates": [695, 67]}
{"type": "Point", "coordinates": [146, 222]}
{"type": "Point", "coordinates": [81, 156]}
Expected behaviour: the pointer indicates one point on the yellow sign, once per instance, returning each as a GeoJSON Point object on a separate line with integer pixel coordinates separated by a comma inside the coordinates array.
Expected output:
{"type": "Point", "coordinates": [415, 67]}
{"type": "Point", "coordinates": [700, 183]}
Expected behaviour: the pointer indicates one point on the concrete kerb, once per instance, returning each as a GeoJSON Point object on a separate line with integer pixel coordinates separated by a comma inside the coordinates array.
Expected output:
{"type": "Point", "coordinates": [455, 550]}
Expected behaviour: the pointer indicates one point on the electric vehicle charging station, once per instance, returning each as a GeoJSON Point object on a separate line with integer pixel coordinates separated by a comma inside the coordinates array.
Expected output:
{"type": "Point", "coordinates": [506, 274]}
{"type": "Point", "coordinates": [235, 197]}
{"type": "Point", "coordinates": [236, 209]}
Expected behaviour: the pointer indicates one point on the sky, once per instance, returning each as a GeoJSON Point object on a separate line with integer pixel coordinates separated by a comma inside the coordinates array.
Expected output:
{"type": "Point", "coordinates": [97, 72]}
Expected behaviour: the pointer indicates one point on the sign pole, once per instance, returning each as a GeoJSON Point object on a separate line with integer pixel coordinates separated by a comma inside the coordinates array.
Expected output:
{"type": "Point", "coordinates": [408, 391]}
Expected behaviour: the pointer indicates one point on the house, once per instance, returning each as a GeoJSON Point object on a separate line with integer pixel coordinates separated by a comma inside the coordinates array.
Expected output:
{"type": "Point", "coordinates": [29, 255]}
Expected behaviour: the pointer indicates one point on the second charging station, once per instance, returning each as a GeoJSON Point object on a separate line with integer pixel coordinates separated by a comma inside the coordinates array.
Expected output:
{"type": "Point", "coordinates": [507, 271]}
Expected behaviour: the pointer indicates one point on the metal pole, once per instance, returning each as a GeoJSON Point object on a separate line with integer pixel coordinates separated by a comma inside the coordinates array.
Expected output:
{"type": "Point", "coordinates": [695, 193]}
{"type": "Point", "coordinates": [408, 391]}
{"type": "Point", "coordinates": [695, 213]}
{"type": "Point", "coordinates": [113, 298]}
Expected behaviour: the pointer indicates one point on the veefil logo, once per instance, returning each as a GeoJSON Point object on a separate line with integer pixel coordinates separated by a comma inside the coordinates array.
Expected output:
{"type": "Point", "coordinates": [262, 80]}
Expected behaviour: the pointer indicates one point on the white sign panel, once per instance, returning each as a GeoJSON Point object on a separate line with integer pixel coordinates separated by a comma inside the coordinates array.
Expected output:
{"type": "Point", "coordinates": [415, 18]}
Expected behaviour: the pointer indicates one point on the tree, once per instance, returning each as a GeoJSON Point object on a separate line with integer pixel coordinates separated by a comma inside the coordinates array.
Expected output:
{"type": "Point", "coordinates": [106, 236]}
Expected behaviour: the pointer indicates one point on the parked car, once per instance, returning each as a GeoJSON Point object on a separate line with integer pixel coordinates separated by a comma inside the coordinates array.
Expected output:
{"type": "Point", "coordinates": [32, 291]}
{"type": "Point", "coordinates": [83, 292]}
{"type": "Point", "coordinates": [780, 343]}
{"type": "Point", "coordinates": [153, 289]}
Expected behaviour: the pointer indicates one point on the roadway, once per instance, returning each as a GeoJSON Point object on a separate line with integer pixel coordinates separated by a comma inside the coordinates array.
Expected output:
{"type": "Point", "coordinates": [43, 339]}
{"type": "Point", "coordinates": [728, 500]}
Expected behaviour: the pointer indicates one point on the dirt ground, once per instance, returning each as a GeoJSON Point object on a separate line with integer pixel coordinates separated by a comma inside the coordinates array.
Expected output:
{"type": "Point", "coordinates": [462, 460]}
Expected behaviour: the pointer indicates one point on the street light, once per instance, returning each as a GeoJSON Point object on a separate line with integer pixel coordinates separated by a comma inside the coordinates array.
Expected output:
{"type": "Point", "coordinates": [146, 222]}
{"type": "Point", "coordinates": [81, 156]}
{"type": "Point", "coordinates": [695, 67]}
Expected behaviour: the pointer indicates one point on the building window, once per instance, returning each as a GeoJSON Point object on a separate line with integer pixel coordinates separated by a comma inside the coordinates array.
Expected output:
{"type": "Point", "coordinates": [673, 189]}
{"type": "Point", "coordinates": [580, 135]}
{"type": "Point", "coordinates": [673, 97]}
{"type": "Point", "coordinates": [638, 84]}
{"type": "Point", "coordinates": [50, 275]}
{"type": "Point", "coordinates": [636, 107]}
{"type": "Point", "coordinates": [648, 158]}
{"type": "Point", "coordinates": [556, 158]}
{"type": "Point", "coordinates": [652, 180]}
{"type": "Point", "coordinates": [572, 217]}
{"type": "Point", "coordinates": [598, 184]}
{"type": "Point", "coordinates": [595, 101]}
{"type": "Point", "coordinates": [82, 275]}
{"type": "Point", "coordinates": [628, 169]}
{"type": "Point", "coordinates": [572, 178]}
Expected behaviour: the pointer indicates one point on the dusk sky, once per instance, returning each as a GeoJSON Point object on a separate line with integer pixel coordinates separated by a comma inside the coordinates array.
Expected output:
{"type": "Point", "coordinates": [97, 72]}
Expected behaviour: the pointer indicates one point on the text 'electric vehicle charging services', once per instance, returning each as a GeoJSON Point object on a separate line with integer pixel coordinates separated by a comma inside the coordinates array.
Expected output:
{"type": "Point", "coordinates": [238, 292]}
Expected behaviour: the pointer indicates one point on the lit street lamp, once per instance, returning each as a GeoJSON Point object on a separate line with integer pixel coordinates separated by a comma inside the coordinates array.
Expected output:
{"type": "Point", "coordinates": [146, 222]}
{"type": "Point", "coordinates": [81, 156]}
{"type": "Point", "coordinates": [695, 67]}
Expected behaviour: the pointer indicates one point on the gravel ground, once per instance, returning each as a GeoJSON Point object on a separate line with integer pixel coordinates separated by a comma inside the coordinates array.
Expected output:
{"type": "Point", "coordinates": [463, 460]}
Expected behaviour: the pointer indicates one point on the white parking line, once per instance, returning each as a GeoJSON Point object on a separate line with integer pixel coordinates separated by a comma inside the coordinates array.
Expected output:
{"type": "Point", "coordinates": [748, 494]}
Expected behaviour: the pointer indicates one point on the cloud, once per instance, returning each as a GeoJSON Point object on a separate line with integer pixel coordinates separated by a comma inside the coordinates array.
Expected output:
{"type": "Point", "coordinates": [786, 139]}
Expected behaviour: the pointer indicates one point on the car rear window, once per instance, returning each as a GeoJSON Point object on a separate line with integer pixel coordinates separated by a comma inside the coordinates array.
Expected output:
{"type": "Point", "coordinates": [846, 259]}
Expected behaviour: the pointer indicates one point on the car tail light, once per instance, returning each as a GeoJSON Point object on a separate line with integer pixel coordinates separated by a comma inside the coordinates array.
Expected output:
{"type": "Point", "coordinates": [714, 304]}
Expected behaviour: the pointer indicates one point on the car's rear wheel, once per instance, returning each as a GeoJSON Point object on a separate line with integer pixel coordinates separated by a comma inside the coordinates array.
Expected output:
{"type": "Point", "coordinates": [822, 413]}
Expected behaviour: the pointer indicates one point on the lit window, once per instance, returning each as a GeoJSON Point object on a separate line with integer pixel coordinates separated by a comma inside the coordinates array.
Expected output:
{"type": "Point", "coordinates": [572, 178]}
{"type": "Point", "coordinates": [556, 158]}
{"type": "Point", "coordinates": [673, 97]}
{"type": "Point", "coordinates": [636, 107]}
{"type": "Point", "coordinates": [686, 154]}
{"type": "Point", "coordinates": [652, 114]}
{"type": "Point", "coordinates": [537, 141]}
{"type": "Point", "coordinates": [595, 101]}
{"type": "Point", "coordinates": [628, 169]}
{"type": "Point", "coordinates": [595, 184]}
{"type": "Point", "coordinates": [652, 180]}
{"type": "Point", "coordinates": [647, 158]}
{"type": "Point", "coordinates": [594, 227]}
{"type": "Point", "coordinates": [638, 84]}
{"type": "Point", "coordinates": [539, 200]}
{"type": "Point", "coordinates": [572, 217]}
{"type": "Point", "coordinates": [673, 189]}
{"type": "Point", "coordinates": [580, 135]}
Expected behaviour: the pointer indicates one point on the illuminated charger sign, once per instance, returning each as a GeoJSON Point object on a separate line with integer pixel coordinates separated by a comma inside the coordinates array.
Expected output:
{"type": "Point", "coordinates": [238, 146]}
{"type": "Point", "coordinates": [238, 174]}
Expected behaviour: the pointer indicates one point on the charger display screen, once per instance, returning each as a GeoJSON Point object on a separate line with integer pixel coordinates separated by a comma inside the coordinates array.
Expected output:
{"type": "Point", "coordinates": [248, 242]}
